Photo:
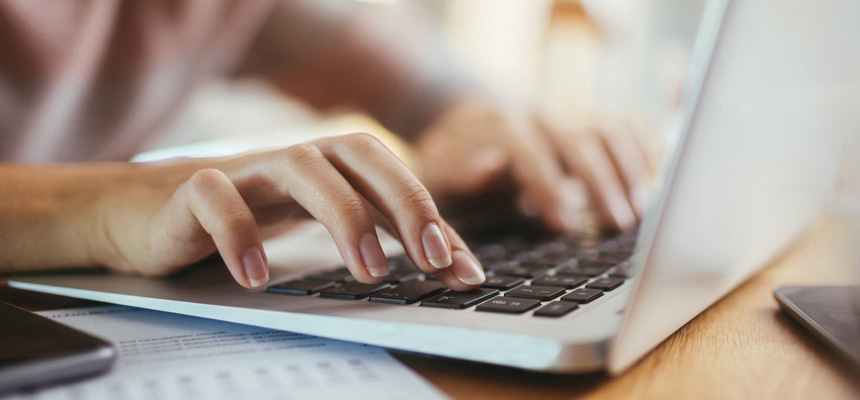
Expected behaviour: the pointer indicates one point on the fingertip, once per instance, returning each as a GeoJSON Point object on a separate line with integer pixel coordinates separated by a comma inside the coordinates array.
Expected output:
{"type": "Point", "coordinates": [441, 262]}
{"type": "Point", "coordinates": [467, 270]}
{"type": "Point", "coordinates": [564, 219]}
{"type": "Point", "coordinates": [369, 280]}
{"type": "Point", "coordinates": [255, 267]}
{"type": "Point", "coordinates": [453, 282]}
{"type": "Point", "coordinates": [377, 272]}
{"type": "Point", "coordinates": [372, 256]}
{"type": "Point", "coordinates": [526, 205]}
{"type": "Point", "coordinates": [622, 214]}
{"type": "Point", "coordinates": [639, 199]}
{"type": "Point", "coordinates": [436, 247]}
{"type": "Point", "coordinates": [255, 283]}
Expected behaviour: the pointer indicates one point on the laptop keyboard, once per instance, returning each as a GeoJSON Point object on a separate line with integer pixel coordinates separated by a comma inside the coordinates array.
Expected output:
{"type": "Point", "coordinates": [552, 278]}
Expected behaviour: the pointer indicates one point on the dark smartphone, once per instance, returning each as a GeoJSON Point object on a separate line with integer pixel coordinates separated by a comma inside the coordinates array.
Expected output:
{"type": "Point", "coordinates": [35, 351]}
{"type": "Point", "coordinates": [831, 313]}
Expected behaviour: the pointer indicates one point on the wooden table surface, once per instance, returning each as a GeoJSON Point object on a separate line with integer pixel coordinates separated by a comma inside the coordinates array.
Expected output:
{"type": "Point", "coordinates": [743, 347]}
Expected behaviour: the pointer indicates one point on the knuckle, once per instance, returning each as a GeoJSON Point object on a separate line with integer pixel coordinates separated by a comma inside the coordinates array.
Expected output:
{"type": "Point", "coordinates": [301, 155]}
{"type": "Point", "coordinates": [362, 138]}
{"type": "Point", "coordinates": [413, 196]}
{"type": "Point", "coordinates": [349, 207]}
{"type": "Point", "coordinates": [233, 219]}
{"type": "Point", "coordinates": [202, 181]}
{"type": "Point", "coordinates": [362, 142]}
{"type": "Point", "coordinates": [206, 178]}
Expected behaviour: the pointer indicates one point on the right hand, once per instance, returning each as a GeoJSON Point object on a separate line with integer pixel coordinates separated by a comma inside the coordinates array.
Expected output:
{"type": "Point", "coordinates": [162, 217]}
{"type": "Point", "coordinates": [478, 146]}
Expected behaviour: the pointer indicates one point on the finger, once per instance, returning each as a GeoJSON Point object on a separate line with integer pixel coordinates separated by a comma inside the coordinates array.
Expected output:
{"type": "Point", "coordinates": [649, 146]}
{"type": "Point", "coordinates": [452, 170]}
{"type": "Point", "coordinates": [587, 158]}
{"type": "Point", "coordinates": [218, 207]}
{"type": "Point", "coordinates": [315, 184]}
{"type": "Point", "coordinates": [632, 167]}
{"type": "Point", "coordinates": [381, 178]}
{"type": "Point", "coordinates": [536, 171]}
{"type": "Point", "coordinates": [465, 272]}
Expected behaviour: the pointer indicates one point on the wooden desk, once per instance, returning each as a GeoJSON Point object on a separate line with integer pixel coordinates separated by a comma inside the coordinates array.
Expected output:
{"type": "Point", "coordinates": [743, 347]}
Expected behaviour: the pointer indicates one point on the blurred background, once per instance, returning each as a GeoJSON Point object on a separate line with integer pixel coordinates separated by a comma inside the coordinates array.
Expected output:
{"type": "Point", "coordinates": [613, 57]}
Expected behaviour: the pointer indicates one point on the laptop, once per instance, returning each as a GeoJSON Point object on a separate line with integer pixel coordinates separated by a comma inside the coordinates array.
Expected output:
{"type": "Point", "coordinates": [754, 167]}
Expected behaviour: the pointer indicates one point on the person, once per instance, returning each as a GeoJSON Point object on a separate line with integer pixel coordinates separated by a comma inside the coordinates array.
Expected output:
{"type": "Point", "coordinates": [84, 83]}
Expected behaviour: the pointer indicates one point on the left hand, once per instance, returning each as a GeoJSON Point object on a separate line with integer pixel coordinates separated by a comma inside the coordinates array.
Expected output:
{"type": "Point", "coordinates": [477, 146]}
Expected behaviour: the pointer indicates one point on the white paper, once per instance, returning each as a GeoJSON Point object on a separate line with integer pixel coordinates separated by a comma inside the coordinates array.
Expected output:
{"type": "Point", "coordinates": [166, 356]}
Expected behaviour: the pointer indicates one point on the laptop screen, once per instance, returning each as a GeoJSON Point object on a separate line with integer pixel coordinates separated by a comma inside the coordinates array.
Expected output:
{"type": "Point", "coordinates": [755, 165]}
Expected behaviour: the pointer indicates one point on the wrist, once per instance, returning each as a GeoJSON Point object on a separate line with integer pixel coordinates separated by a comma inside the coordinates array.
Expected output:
{"type": "Point", "coordinates": [48, 215]}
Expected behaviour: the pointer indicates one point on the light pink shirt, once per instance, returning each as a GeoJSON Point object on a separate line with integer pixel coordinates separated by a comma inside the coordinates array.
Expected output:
{"type": "Point", "coordinates": [88, 80]}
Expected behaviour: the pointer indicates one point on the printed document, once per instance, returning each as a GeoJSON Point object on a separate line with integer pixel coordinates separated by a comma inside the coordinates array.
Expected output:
{"type": "Point", "coordinates": [165, 356]}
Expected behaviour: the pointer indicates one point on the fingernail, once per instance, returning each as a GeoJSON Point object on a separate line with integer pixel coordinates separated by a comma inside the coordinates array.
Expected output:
{"type": "Point", "coordinates": [527, 206]}
{"type": "Point", "coordinates": [567, 218]}
{"type": "Point", "coordinates": [639, 198]}
{"type": "Point", "coordinates": [435, 246]}
{"type": "Point", "coordinates": [255, 267]}
{"type": "Point", "coordinates": [467, 270]}
{"type": "Point", "coordinates": [622, 213]}
{"type": "Point", "coordinates": [372, 256]}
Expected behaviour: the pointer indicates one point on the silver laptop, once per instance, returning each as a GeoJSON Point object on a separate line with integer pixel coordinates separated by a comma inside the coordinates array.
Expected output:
{"type": "Point", "coordinates": [753, 168]}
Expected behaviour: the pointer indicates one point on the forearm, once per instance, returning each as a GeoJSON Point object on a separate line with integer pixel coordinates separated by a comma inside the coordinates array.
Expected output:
{"type": "Point", "coordinates": [395, 67]}
{"type": "Point", "coordinates": [48, 215]}
{"type": "Point", "coordinates": [153, 219]}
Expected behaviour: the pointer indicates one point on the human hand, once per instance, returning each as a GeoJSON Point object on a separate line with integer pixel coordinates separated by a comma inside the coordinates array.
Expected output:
{"type": "Point", "coordinates": [476, 146]}
{"type": "Point", "coordinates": [159, 218]}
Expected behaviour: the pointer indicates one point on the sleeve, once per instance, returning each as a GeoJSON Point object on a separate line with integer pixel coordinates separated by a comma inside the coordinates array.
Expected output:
{"type": "Point", "coordinates": [386, 61]}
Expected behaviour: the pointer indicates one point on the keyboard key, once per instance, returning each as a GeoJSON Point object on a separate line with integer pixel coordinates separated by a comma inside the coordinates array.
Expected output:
{"type": "Point", "coordinates": [605, 284]}
{"type": "Point", "coordinates": [559, 257]}
{"type": "Point", "coordinates": [597, 263]}
{"type": "Point", "coordinates": [542, 293]}
{"type": "Point", "coordinates": [588, 254]}
{"type": "Point", "coordinates": [608, 246]}
{"type": "Point", "coordinates": [556, 309]}
{"type": "Point", "coordinates": [551, 260]}
{"type": "Point", "coordinates": [338, 275]}
{"type": "Point", "coordinates": [352, 290]}
{"type": "Point", "coordinates": [509, 305]}
{"type": "Point", "coordinates": [553, 247]}
{"type": "Point", "coordinates": [408, 293]}
{"type": "Point", "coordinates": [583, 295]}
{"type": "Point", "coordinates": [402, 275]}
{"type": "Point", "coordinates": [516, 245]}
{"type": "Point", "coordinates": [300, 287]}
{"type": "Point", "coordinates": [529, 255]}
{"type": "Point", "coordinates": [564, 281]}
{"type": "Point", "coordinates": [612, 259]}
{"type": "Point", "coordinates": [621, 271]}
{"type": "Point", "coordinates": [525, 271]}
{"type": "Point", "coordinates": [488, 251]}
{"type": "Point", "coordinates": [459, 300]}
{"type": "Point", "coordinates": [624, 252]}
{"type": "Point", "coordinates": [577, 270]}
{"type": "Point", "coordinates": [396, 263]}
{"type": "Point", "coordinates": [502, 282]}
{"type": "Point", "coordinates": [502, 265]}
